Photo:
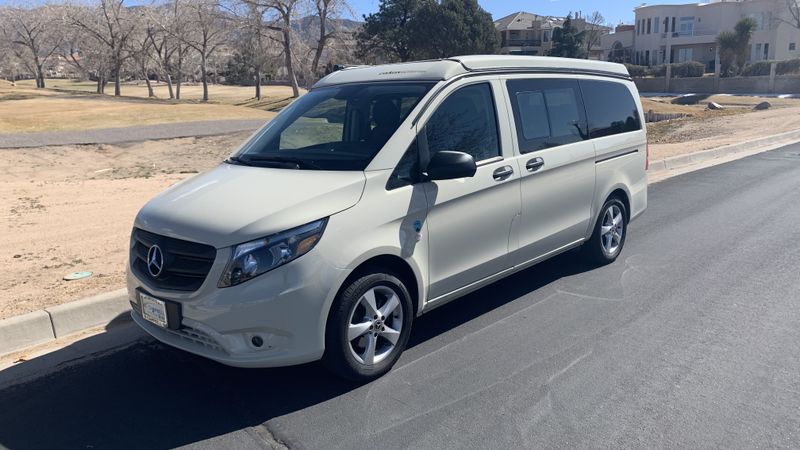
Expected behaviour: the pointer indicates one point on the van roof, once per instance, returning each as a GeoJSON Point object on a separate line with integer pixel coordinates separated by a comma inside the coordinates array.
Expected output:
{"type": "Point", "coordinates": [445, 69]}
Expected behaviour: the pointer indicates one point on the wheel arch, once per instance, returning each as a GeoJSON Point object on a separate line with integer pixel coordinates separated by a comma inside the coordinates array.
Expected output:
{"type": "Point", "coordinates": [623, 196]}
{"type": "Point", "coordinates": [382, 258]}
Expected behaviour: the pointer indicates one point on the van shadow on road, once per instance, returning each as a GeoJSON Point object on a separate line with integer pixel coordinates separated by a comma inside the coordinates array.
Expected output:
{"type": "Point", "coordinates": [152, 396]}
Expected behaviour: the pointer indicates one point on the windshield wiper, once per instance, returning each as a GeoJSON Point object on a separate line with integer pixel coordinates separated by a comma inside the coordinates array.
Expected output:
{"type": "Point", "coordinates": [236, 160]}
{"type": "Point", "coordinates": [279, 161]}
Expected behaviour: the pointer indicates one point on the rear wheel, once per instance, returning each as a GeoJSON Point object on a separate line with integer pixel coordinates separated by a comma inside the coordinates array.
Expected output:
{"type": "Point", "coordinates": [609, 233]}
{"type": "Point", "coordinates": [368, 327]}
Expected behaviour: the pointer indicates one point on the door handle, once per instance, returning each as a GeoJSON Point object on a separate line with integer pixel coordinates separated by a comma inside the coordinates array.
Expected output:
{"type": "Point", "coordinates": [534, 164]}
{"type": "Point", "coordinates": [503, 173]}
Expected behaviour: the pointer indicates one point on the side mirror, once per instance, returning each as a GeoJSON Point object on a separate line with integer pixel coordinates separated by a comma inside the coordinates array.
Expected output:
{"type": "Point", "coordinates": [446, 165]}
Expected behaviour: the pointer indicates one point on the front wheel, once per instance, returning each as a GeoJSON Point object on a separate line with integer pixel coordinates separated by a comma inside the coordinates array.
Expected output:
{"type": "Point", "coordinates": [608, 237]}
{"type": "Point", "coordinates": [368, 327]}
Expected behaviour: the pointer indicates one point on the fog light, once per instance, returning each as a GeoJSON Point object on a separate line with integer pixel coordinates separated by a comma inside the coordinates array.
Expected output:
{"type": "Point", "coordinates": [257, 341]}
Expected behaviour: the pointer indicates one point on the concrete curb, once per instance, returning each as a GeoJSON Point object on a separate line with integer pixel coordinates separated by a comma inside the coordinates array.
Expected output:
{"type": "Point", "coordinates": [17, 333]}
{"type": "Point", "coordinates": [676, 162]}
{"type": "Point", "coordinates": [25, 330]}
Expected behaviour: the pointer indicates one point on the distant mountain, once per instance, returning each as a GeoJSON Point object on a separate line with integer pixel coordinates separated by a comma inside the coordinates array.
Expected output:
{"type": "Point", "coordinates": [307, 26]}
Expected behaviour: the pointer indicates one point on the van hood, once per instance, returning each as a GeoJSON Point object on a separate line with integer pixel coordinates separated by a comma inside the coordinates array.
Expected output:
{"type": "Point", "coordinates": [232, 204]}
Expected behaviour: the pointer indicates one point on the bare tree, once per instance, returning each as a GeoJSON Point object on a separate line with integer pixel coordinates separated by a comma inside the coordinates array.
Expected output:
{"type": "Point", "coordinates": [111, 24]}
{"type": "Point", "coordinates": [86, 55]}
{"type": "Point", "coordinates": [327, 13]}
{"type": "Point", "coordinates": [34, 37]}
{"type": "Point", "coordinates": [142, 50]}
{"type": "Point", "coordinates": [595, 29]}
{"type": "Point", "coordinates": [254, 44]}
{"type": "Point", "coordinates": [162, 43]}
{"type": "Point", "coordinates": [794, 12]}
{"type": "Point", "coordinates": [208, 33]}
{"type": "Point", "coordinates": [284, 11]}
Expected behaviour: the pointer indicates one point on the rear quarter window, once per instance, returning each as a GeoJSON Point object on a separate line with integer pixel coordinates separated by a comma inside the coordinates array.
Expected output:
{"type": "Point", "coordinates": [610, 108]}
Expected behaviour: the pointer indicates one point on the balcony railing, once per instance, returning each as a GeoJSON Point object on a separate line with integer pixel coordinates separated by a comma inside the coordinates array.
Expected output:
{"type": "Point", "coordinates": [690, 33]}
{"type": "Point", "coordinates": [521, 43]}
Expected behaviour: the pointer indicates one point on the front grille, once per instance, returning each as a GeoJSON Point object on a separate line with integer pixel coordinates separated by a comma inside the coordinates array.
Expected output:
{"type": "Point", "coordinates": [186, 264]}
{"type": "Point", "coordinates": [198, 337]}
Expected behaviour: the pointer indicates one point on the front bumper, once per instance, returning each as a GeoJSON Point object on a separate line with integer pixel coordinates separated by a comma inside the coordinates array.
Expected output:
{"type": "Point", "coordinates": [287, 308]}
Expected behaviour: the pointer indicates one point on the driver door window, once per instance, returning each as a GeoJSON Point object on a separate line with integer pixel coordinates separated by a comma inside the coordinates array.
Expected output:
{"type": "Point", "coordinates": [466, 122]}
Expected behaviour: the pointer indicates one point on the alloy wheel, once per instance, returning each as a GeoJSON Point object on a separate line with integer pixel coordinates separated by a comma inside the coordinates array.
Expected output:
{"type": "Point", "coordinates": [612, 230]}
{"type": "Point", "coordinates": [375, 324]}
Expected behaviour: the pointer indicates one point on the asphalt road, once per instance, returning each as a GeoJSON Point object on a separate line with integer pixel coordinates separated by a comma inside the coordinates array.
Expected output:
{"type": "Point", "coordinates": [691, 339]}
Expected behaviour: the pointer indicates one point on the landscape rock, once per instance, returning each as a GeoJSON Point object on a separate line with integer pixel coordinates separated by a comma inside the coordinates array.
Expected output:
{"type": "Point", "coordinates": [689, 99]}
{"type": "Point", "coordinates": [715, 106]}
{"type": "Point", "coordinates": [763, 106]}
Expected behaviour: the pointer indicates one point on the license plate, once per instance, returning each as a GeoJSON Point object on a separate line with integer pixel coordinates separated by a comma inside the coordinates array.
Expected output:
{"type": "Point", "coordinates": [153, 310]}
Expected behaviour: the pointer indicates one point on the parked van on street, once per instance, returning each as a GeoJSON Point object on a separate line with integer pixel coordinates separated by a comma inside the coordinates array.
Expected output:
{"type": "Point", "coordinates": [381, 194]}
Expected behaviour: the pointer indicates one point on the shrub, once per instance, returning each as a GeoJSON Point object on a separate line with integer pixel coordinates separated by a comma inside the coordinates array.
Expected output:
{"type": "Point", "coordinates": [636, 71]}
{"type": "Point", "coordinates": [758, 69]}
{"type": "Point", "coordinates": [657, 71]}
{"type": "Point", "coordinates": [789, 67]}
{"type": "Point", "coordinates": [690, 69]}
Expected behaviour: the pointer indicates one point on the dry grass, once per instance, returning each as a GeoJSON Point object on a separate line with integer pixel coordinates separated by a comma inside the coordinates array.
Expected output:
{"type": "Point", "coordinates": [26, 109]}
{"type": "Point", "coordinates": [55, 113]}
{"type": "Point", "coordinates": [191, 92]}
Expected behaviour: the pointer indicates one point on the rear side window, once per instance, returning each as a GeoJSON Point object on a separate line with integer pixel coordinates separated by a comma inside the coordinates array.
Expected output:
{"type": "Point", "coordinates": [610, 108]}
{"type": "Point", "coordinates": [548, 113]}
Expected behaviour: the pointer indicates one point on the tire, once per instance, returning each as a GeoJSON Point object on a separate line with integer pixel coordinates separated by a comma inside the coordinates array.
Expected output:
{"type": "Point", "coordinates": [354, 315]}
{"type": "Point", "coordinates": [604, 248]}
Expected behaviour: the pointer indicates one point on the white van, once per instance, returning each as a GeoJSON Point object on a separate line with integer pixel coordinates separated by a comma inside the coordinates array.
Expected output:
{"type": "Point", "coordinates": [381, 194]}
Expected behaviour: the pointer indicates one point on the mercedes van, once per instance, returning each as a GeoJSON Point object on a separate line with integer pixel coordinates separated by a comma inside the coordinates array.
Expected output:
{"type": "Point", "coordinates": [381, 194]}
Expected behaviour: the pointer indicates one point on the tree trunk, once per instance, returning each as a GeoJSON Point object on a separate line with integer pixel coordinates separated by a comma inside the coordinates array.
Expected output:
{"type": "Point", "coordinates": [150, 92]}
{"type": "Point", "coordinates": [179, 75]}
{"type": "Point", "coordinates": [117, 81]}
{"type": "Point", "coordinates": [287, 51]}
{"type": "Point", "coordinates": [320, 44]}
{"type": "Point", "coordinates": [169, 86]}
{"type": "Point", "coordinates": [204, 74]}
{"type": "Point", "coordinates": [258, 84]}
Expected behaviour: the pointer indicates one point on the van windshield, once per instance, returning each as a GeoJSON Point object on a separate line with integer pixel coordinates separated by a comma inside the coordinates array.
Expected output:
{"type": "Point", "coordinates": [333, 128]}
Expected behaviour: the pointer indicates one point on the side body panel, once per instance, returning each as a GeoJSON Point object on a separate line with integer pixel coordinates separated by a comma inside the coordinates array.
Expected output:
{"type": "Point", "coordinates": [621, 163]}
{"type": "Point", "coordinates": [556, 198]}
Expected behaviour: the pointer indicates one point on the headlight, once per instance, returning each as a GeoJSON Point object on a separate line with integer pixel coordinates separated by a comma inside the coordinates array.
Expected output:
{"type": "Point", "coordinates": [253, 258]}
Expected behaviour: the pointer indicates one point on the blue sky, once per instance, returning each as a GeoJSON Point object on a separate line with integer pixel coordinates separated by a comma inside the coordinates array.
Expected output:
{"type": "Point", "coordinates": [613, 10]}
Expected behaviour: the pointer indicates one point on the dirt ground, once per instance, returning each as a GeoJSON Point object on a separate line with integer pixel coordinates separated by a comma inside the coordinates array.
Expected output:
{"type": "Point", "coordinates": [71, 208]}
{"type": "Point", "coordinates": [712, 129]}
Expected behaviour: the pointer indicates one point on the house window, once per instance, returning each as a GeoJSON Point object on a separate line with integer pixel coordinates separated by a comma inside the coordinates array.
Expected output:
{"type": "Point", "coordinates": [687, 26]}
{"type": "Point", "coordinates": [657, 25]}
{"type": "Point", "coordinates": [673, 24]}
{"type": "Point", "coordinates": [647, 57]}
{"type": "Point", "coordinates": [792, 46]}
{"type": "Point", "coordinates": [685, 54]}
{"type": "Point", "coordinates": [766, 51]}
{"type": "Point", "coordinates": [649, 25]}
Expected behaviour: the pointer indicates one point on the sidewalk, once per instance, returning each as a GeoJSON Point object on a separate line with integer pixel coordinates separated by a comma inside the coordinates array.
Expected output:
{"type": "Point", "coordinates": [129, 134]}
